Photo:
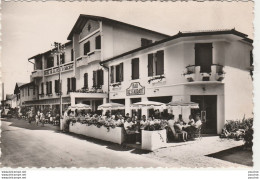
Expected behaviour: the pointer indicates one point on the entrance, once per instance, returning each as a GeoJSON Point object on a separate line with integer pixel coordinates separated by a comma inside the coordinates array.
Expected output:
{"type": "Point", "coordinates": [203, 56]}
{"type": "Point", "coordinates": [208, 112]}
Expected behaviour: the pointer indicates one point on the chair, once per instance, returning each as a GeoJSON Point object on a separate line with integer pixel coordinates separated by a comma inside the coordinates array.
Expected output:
{"type": "Point", "coordinates": [197, 132]}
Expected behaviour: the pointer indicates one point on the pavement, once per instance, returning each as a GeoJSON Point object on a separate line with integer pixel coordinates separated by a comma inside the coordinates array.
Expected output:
{"type": "Point", "coordinates": [28, 145]}
{"type": "Point", "coordinates": [32, 146]}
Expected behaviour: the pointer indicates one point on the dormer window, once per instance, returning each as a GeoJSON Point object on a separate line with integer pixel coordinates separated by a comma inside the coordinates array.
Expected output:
{"type": "Point", "coordinates": [145, 42]}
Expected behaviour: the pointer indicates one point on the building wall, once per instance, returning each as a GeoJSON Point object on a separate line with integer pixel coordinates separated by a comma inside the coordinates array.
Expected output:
{"type": "Point", "coordinates": [25, 96]}
{"type": "Point", "coordinates": [234, 93]}
{"type": "Point", "coordinates": [238, 82]}
{"type": "Point", "coordinates": [119, 39]}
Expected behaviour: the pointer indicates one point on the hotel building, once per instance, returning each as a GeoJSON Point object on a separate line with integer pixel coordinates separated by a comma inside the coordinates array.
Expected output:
{"type": "Point", "coordinates": [211, 68]}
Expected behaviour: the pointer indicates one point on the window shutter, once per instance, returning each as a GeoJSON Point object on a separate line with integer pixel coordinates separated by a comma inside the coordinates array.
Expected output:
{"type": "Point", "coordinates": [135, 68]}
{"type": "Point", "coordinates": [86, 80]}
{"type": "Point", "coordinates": [112, 74]}
{"type": "Point", "coordinates": [42, 88]}
{"type": "Point", "coordinates": [94, 78]}
{"type": "Point", "coordinates": [50, 86]}
{"type": "Point", "coordinates": [47, 87]}
{"type": "Point", "coordinates": [68, 84]}
{"type": "Point", "coordinates": [98, 42]}
{"type": "Point", "coordinates": [101, 79]}
{"type": "Point", "coordinates": [150, 64]}
{"type": "Point", "coordinates": [56, 86]}
{"type": "Point", "coordinates": [73, 81]}
{"type": "Point", "coordinates": [72, 55]}
{"type": "Point", "coordinates": [121, 72]}
{"type": "Point", "coordinates": [160, 63]}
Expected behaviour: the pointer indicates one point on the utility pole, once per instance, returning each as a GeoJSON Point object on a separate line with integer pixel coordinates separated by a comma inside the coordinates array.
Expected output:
{"type": "Point", "coordinates": [58, 50]}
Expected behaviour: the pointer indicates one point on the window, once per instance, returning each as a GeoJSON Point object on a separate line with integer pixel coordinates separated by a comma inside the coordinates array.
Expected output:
{"type": "Point", "coordinates": [203, 56]}
{"type": "Point", "coordinates": [34, 89]}
{"type": "Point", "coordinates": [42, 88]}
{"type": "Point", "coordinates": [62, 58]}
{"type": "Point", "coordinates": [145, 42]}
{"type": "Point", "coordinates": [86, 48]}
{"type": "Point", "coordinates": [98, 78]}
{"type": "Point", "coordinates": [71, 84]}
{"type": "Point", "coordinates": [72, 54]}
{"type": "Point", "coordinates": [135, 68]}
{"type": "Point", "coordinates": [50, 62]}
{"type": "Point", "coordinates": [156, 63]}
{"type": "Point", "coordinates": [28, 90]}
{"type": "Point", "coordinates": [86, 80]}
{"type": "Point", "coordinates": [119, 72]}
{"type": "Point", "coordinates": [116, 73]}
{"type": "Point", "coordinates": [49, 87]}
{"type": "Point", "coordinates": [98, 42]}
{"type": "Point", "coordinates": [57, 86]}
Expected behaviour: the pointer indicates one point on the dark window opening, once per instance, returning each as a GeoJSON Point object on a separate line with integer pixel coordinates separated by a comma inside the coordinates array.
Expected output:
{"type": "Point", "coordinates": [203, 56]}
{"type": "Point", "coordinates": [98, 42]}
{"type": "Point", "coordinates": [145, 42]}
{"type": "Point", "coordinates": [50, 62]}
{"type": "Point", "coordinates": [135, 68]}
{"type": "Point", "coordinates": [86, 48]}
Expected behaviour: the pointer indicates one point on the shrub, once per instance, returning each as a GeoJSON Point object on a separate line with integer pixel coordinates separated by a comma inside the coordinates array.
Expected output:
{"type": "Point", "coordinates": [239, 129]}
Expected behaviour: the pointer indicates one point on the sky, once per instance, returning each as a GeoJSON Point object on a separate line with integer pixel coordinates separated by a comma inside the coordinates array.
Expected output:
{"type": "Point", "coordinates": [29, 28]}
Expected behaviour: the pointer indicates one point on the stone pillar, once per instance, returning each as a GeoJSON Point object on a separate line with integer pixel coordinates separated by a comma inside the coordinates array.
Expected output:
{"type": "Point", "coordinates": [104, 100]}
{"type": "Point", "coordinates": [127, 106]}
{"type": "Point", "coordinates": [144, 109]}
{"type": "Point", "coordinates": [72, 100]}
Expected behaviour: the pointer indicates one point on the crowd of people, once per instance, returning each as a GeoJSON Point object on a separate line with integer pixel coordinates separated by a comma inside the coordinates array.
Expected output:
{"type": "Point", "coordinates": [177, 128]}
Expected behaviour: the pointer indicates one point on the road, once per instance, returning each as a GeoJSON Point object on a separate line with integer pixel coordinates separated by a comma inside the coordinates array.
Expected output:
{"type": "Point", "coordinates": [26, 145]}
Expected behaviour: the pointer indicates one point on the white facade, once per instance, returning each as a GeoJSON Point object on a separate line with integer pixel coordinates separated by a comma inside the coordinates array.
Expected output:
{"type": "Point", "coordinates": [92, 40]}
{"type": "Point", "coordinates": [232, 95]}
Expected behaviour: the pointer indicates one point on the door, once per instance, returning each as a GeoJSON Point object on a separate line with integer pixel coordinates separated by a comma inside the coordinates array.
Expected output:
{"type": "Point", "coordinates": [208, 112]}
{"type": "Point", "coordinates": [203, 56]}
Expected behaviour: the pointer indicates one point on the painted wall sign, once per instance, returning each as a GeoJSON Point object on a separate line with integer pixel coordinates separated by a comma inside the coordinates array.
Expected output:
{"type": "Point", "coordinates": [135, 89]}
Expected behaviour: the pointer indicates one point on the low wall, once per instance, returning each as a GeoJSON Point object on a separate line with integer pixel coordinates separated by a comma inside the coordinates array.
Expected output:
{"type": "Point", "coordinates": [115, 135]}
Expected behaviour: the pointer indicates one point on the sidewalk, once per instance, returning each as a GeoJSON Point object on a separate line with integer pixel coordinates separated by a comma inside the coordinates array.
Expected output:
{"type": "Point", "coordinates": [22, 123]}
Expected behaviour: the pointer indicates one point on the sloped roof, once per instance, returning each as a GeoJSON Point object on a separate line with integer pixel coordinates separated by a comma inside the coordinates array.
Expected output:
{"type": "Point", "coordinates": [184, 34]}
{"type": "Point", "coordinates": [83, 18]}
{"type": "Point", "coordinates": [33, 57]}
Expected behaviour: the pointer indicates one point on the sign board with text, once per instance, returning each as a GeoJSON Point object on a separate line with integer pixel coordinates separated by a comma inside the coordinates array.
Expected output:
{"type": "Point", "coordinates": [135, 89]}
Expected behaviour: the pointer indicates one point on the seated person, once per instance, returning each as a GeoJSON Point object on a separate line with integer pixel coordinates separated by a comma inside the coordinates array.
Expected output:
{"type": "Point", "coordinates": [129, 126]}
{"type": "Point", "coordinates": [178, 126]}
{"type": "Point", "coordinates": [191, 120]}
{"type": "Point", "coordinates": [195, 126]}
{"type": "Point", "coordinates": [143, 122]}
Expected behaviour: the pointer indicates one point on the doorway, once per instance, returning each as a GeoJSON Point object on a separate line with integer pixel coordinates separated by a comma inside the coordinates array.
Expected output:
{"type": "Point", "coordinates": [208, 112]}
{"type": "Point", "coordinates": [203, 56]}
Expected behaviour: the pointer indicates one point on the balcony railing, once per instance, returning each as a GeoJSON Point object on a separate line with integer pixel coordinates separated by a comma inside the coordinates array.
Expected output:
{"type": "Point", "coordinates": [55, 70]}
{"type": "Point", "coordinates": [89, 58]}
{"type": "Point", "coordinates": [37, 74]}
{"type": "Point", "coordinates": [193, 73]}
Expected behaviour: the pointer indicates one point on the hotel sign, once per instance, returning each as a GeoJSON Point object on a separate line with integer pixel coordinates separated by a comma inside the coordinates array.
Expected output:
{"type": "Point", "coordinates": [135, 89]}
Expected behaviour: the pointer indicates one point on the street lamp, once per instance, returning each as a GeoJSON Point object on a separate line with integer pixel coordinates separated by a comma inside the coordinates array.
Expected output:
{"type": "Point", "coordinates": [58, 50]}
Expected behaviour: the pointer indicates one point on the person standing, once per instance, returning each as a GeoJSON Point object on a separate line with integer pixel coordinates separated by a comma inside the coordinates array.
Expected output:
{"type": "Point", "coordinates": [37, 118]}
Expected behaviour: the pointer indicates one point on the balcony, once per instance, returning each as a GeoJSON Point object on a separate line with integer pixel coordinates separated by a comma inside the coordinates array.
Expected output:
{"type": "Point", "coordinates": [55, 70]}
{"type": "Point", "coordinates": [37, 74]}
{"type": "Point", "coordinates": [89, 58]}
{"type": "Point", "coordinates": [193, 73]}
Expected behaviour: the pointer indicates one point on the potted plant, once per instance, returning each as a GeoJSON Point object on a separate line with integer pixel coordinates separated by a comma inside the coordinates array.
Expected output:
{"type": "Point", "coordinates": [189, 75]}
{"type": "Point", "coordinates": [154, 135]}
